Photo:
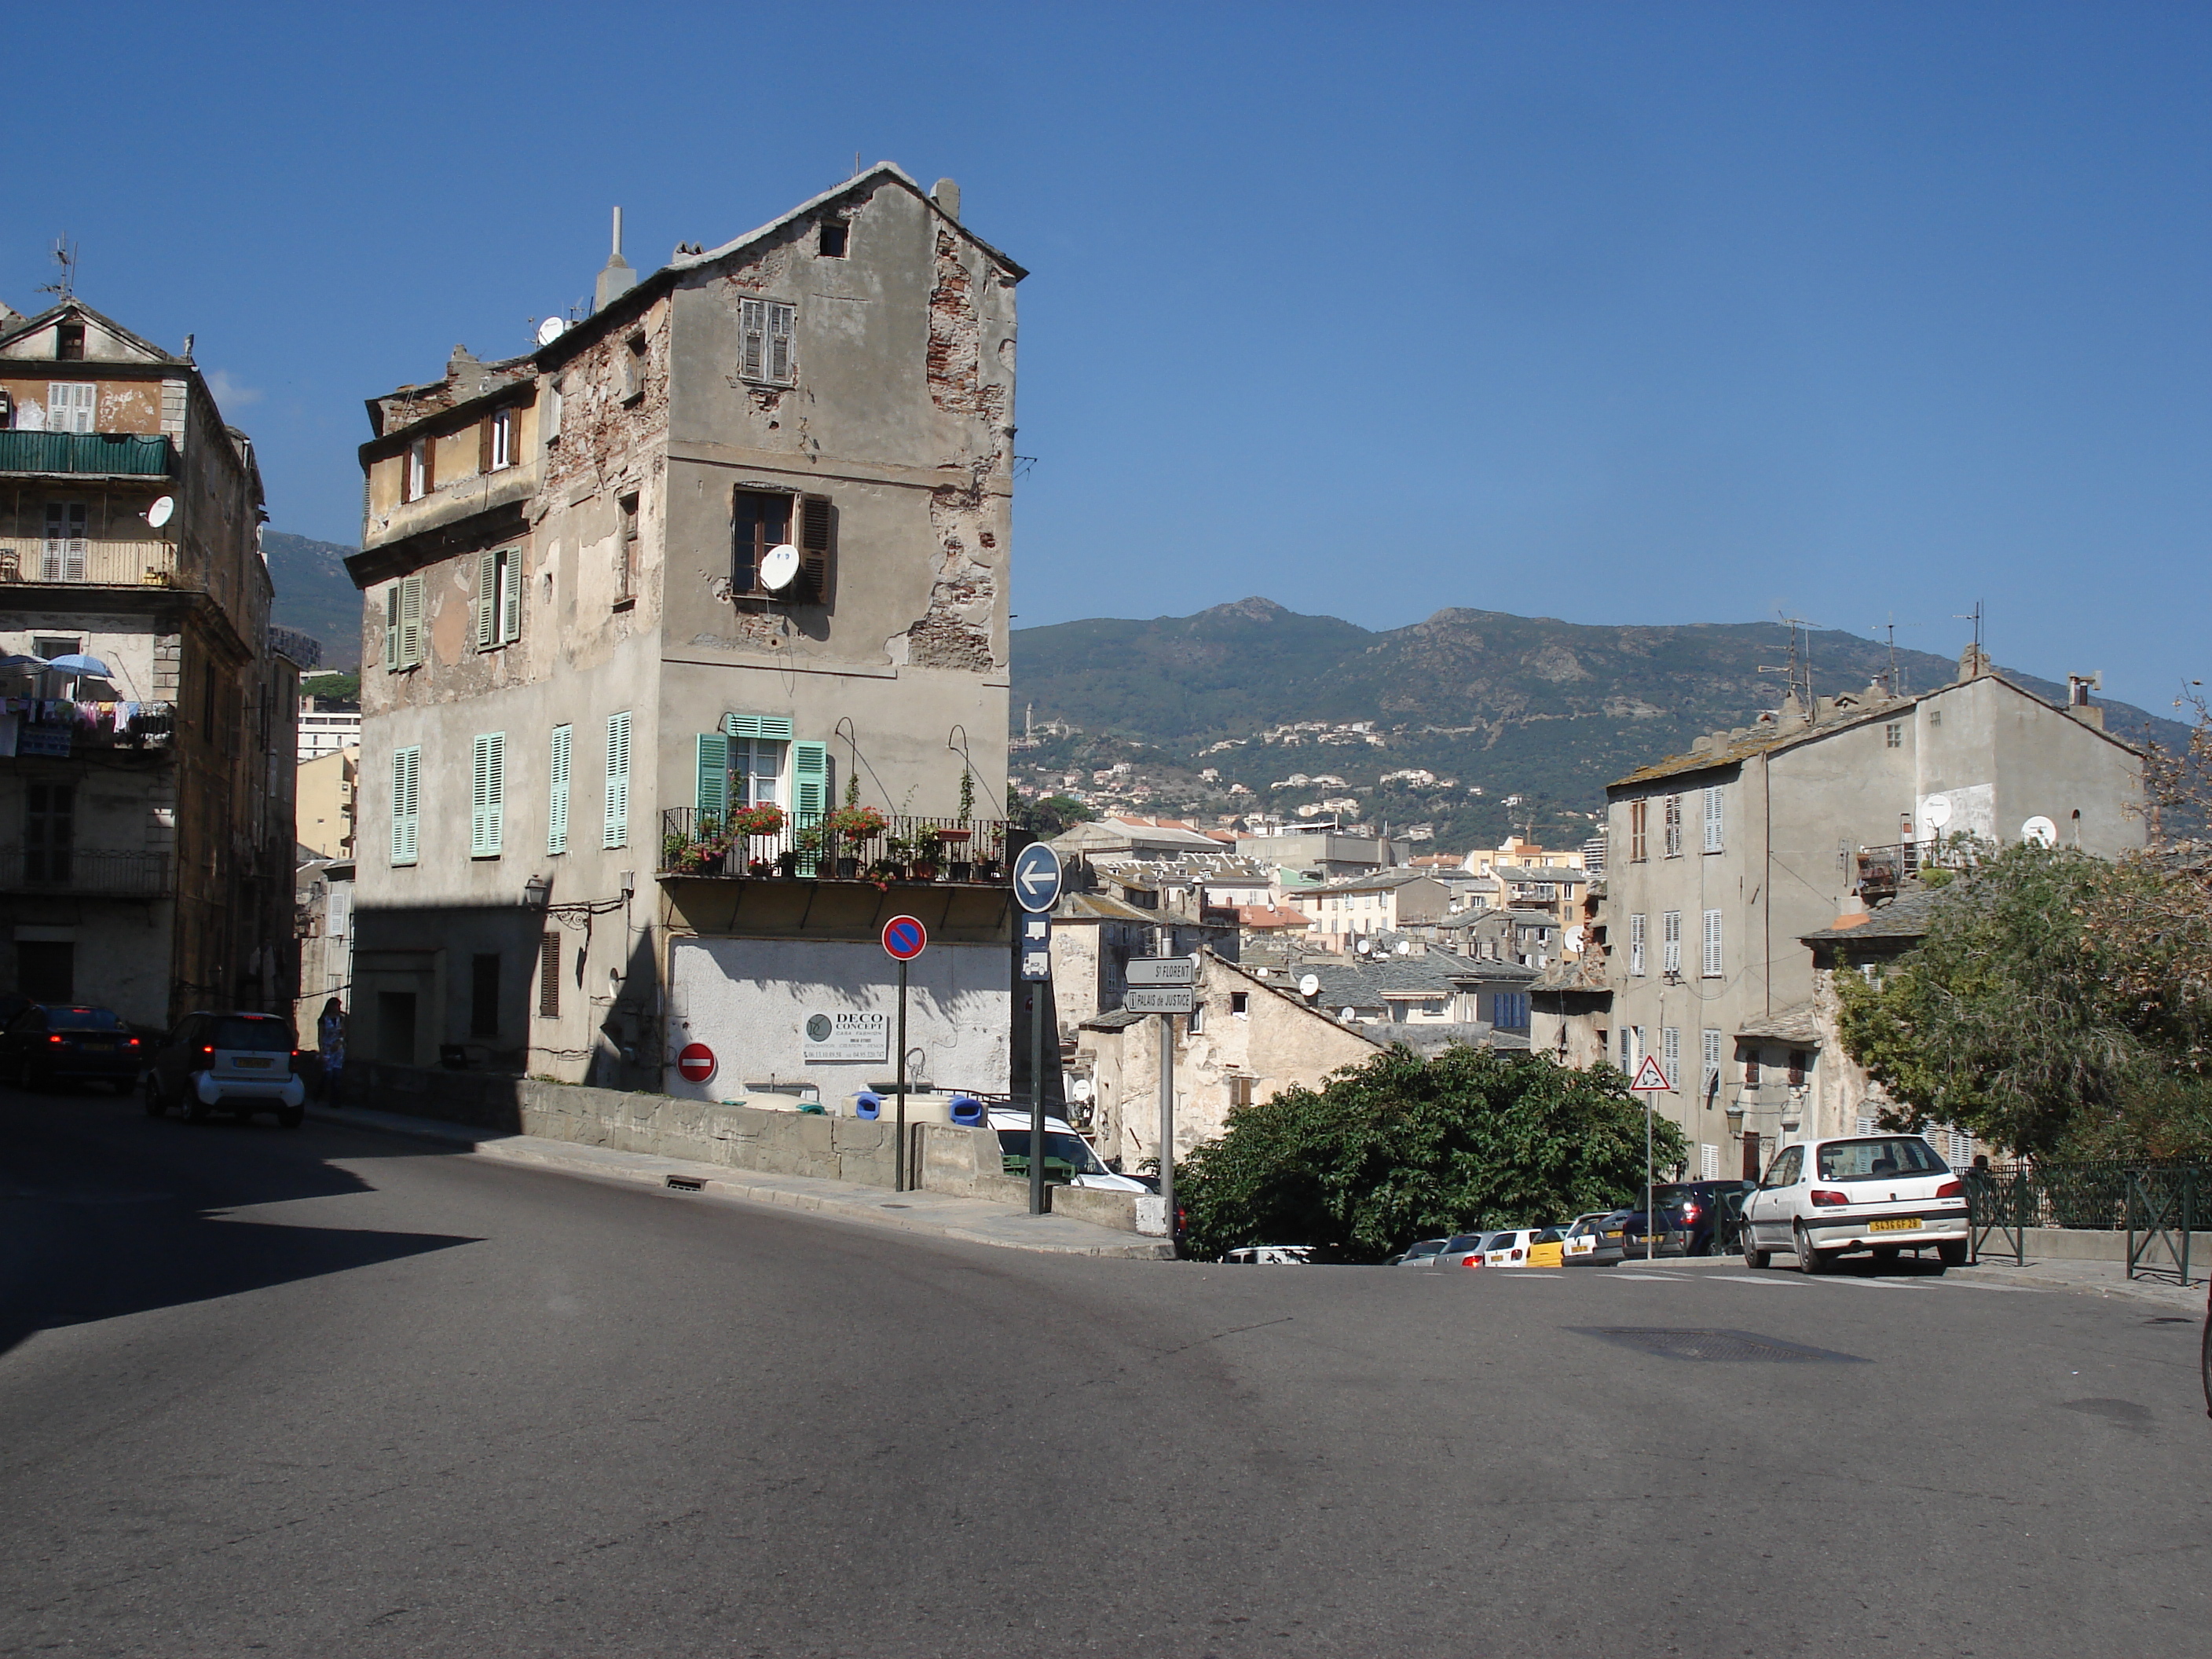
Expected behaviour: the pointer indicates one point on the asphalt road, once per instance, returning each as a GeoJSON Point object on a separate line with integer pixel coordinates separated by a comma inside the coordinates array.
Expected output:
{"type": "Point", "coordinates": [327, 1392]}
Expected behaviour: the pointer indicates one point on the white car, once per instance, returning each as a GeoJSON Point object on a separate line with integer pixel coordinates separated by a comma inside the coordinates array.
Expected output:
{"type": "Point", "coordinates": [1512, 1249]}
{"type": "Point", "coordinates": [1068, 1159]}
{"type": "Point", "coordinates": [1272, 1255]}
{"type": "Point", "coordinates": [1879, 1192]}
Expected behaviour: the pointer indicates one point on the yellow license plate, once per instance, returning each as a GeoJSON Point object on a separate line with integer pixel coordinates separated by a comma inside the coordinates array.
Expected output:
{"type": "Point", "coordinates": [1903, 1223]}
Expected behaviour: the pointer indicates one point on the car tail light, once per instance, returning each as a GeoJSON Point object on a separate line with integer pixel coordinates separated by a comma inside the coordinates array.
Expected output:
{"type": "Point", "coordinates": [1821, 1195]}
{"type": "Point", "coordinates": [1689, 1212]}
{"type": "Point", "coordinates": [1472, 1261]}
{"type": "Point", "coordinates": [1952, 1189]}
{"type": "Point", "coordinates": [130, 1042]}
{"type": "Point", "coordinates": [207, 1051]}
{"type": "Point", "coordinates": [55, 1040]}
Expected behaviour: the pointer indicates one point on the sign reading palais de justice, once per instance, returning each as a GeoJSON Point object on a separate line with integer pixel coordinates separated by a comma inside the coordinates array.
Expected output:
{"type": "Point", "coordinates": [845, 1036]}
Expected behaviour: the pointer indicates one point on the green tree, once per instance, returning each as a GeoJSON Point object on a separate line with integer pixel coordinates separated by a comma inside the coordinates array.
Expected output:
{"type": "Point", "coordinates": [1402, 1148]}
{"type": "Point", "coordinates": [1051, 816]}
{"type": "Point", "coordinates": [2002, 1020]}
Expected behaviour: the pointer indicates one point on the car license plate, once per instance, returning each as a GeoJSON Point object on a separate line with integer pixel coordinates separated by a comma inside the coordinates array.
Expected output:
{"type": "Point", "coordinates": [1903, 1223]}
{"type": "Point", "coordinates": [1612, 1235]}
{"type": "Point", "coordinates": [247, 1063]}
{"type": "Point", "coordinates": [97, 1047]}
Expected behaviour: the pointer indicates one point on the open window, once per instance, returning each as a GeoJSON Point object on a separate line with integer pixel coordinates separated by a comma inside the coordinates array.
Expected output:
{"type": "Point", "coordinates": [763, 521]}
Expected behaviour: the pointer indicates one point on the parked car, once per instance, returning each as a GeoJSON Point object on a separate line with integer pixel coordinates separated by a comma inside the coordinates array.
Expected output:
{"type": "Point", "coordinates": [1887, 1194]}
{"type": "Point", "coordinates": [51, 1042]}
{"type": "Point", "coordinates": [1422, 1254]}
{"type": "Point", "coordinates": [1639, 1242]}
{"type": "Point", "coordinates": [1524, 1247]}
{"type": "Point", "coordinates": [1068, 1159]}
{"type": "Point", "coordinates": [1592, 1240]}
{"type": "Point", "coordinates": [1707, 1211]}
{"type": "Point", "coordinates": [1272, 1255]}
{"type": "Point", "coordinates": [232, 1061]}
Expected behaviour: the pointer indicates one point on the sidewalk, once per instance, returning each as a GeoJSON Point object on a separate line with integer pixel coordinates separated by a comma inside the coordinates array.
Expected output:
{"type": "Point", "coordinates": [940, 1214]}
{"type": "Point", "coordinates": [2107, 1278]}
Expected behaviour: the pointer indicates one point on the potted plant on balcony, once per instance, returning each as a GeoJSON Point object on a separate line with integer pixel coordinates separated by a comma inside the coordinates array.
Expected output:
{"type": "Point", "coordinates": [918, 856]}
{"type": "Point", "coordinates": [809, 845]}
{"type": "Point", "coordinates": [854, 826]}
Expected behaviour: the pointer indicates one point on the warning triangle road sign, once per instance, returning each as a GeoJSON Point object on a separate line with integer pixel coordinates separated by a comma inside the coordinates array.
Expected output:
{"type": "Point", "coordinates": [1648, 1076]}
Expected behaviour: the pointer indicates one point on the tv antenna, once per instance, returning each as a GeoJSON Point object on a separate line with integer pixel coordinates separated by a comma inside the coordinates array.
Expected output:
{"type": "Point", "coordinates": [1894, 686]}
{"type": "Point", "coordinates": [1975, 617]}
{"type": "Point", "coordinates": [1798, 670]}
{"type": "Point", "coordinates": [65, 255]}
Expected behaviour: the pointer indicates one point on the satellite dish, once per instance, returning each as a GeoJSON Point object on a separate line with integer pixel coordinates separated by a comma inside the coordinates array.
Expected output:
{"type": "Point", "coordinates": [2040, 830]}
{"type": "Point", "coordinates": [1572, 943]}
{"type": "Point", "coordinates": [1348, 1014]}
{"type": "Point", "coordinates": [779, 568]}
{"type": "Point", "coordinates": [551, 330]}
{"type": "Point", "coordinates": [1937, 811]}
{"type": "Point", "coordinates": [1310, 986]}
{"type": "Point", "coordinates": [1360, 945]}
{"type": "Point", "coordinates": [161, 512]}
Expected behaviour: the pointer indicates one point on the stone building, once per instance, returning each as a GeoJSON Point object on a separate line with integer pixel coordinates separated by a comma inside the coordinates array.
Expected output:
{"type": "Point", "coordinates": [145, 813]}
{"type": "Point", "coordinates": [325, 790]}
{"type": "Point", "coordinates": [736, 543]}
{"type": "Point", "coordinates": [1721, 860]}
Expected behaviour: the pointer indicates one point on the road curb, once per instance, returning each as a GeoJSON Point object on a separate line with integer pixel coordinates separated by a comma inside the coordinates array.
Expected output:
{"type": "Point", "coordinates": [939, 1215]}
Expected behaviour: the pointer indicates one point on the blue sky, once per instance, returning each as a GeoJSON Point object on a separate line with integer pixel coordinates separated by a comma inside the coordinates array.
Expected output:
{"type": "Point", "coordinates": [1617, 313]}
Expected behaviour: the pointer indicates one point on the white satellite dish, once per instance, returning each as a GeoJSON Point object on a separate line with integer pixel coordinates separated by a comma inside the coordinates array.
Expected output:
{"type": "Point", "coordinates": [2040, 830]}
{"type": "Point", "coordinates": [161, 512]}
{"type": "Point", "coordinates": [1310, 986]}
{"type": "Point", "coordinates": [1347, 1015]}
{"type": "Point", "coordinates": [779, 568]}
{"type": "Point", "coordinates": [1572, 943]}
{"type": "Point", "coordinates": [551, 330]}
{"type": "Point", "coordinates": [1936, 811]}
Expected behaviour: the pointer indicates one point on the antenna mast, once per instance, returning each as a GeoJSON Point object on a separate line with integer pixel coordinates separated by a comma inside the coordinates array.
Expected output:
{"type": "Point", "coordinates": [1797, 672]}
{"type": "Point", "coordinates": [65, 255]}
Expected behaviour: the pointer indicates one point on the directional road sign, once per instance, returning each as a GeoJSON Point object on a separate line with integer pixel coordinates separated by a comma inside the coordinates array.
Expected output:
{"type": "Point", "coordinates": [1650, 1076]}
{"type": "Point", "coordinates": [1161, 970]}
{"type": "Point", "coordinates": [1036, 877]}
{"type": "Point", "coordinates": [905, 937]}
{"type": "Point", "coordinates": [1161, 1000]}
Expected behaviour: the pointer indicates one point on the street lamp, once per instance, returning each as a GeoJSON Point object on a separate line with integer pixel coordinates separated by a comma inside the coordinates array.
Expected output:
{"type": "Point", "coordinates": [538, 890]}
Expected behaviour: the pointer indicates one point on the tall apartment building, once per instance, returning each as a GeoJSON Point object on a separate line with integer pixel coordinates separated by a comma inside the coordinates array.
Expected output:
{"type": "Point", "coordinates": [738, 540]}
{"type": "Point", "coordinates": [145, 813]}
{"type": "Point", "coordinates": [1720, 860]}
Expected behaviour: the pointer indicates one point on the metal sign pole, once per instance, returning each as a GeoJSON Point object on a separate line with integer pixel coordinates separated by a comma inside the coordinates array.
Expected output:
{"type": "Point", "coordinates": [1648, 1217]}
{"type": "Point", "coordinates": [898, 1165]}
{"type": "Point", "coordinates": [1167, 1123]}
{"type": "Point", "coordinates": [1037, 1096]}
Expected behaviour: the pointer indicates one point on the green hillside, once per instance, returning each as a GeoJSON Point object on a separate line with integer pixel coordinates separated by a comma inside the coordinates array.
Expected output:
{"type": "Point", "coordinates": [315, 595]}
{"type": "Point", "coordinates": [1509, 706]}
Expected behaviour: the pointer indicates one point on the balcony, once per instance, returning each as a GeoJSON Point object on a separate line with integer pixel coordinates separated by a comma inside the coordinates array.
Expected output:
{"type": "Point", "coordinates": [85, 873]}
{"type": "Point", "coordinates": [832, 848]}
{"type": "Point", "coordinates": [59, 729]}
{"type": "Point", "coordinates": [88, 454]}
{"type": "Point", "coordinates": [87, 561]}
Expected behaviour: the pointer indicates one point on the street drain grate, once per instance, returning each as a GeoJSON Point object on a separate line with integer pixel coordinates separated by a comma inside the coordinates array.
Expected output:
{"type": "Point", "coordinates": [1692, 1344]}
{"type": "Point", "coordinates": [686, 1184]}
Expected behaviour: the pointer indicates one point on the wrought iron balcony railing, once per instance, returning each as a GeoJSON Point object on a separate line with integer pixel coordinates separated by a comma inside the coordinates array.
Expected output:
{"type": "Point", "coordinates": [834, 847]}
{"type": "Point", "coordinates": [85, 870]}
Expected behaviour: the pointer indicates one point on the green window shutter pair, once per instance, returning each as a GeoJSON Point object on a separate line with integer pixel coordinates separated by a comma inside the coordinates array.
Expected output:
{"type": "Point", "coordinates": [557, 810]}
{"type": "Point", "coordinates": [487, 794]}
{"type": "Point", "coordinates": [403, 623]}
{"type": "Point", "coordinates": [616, 830]}
{"type": "Point", "coordinates": [406, 804]}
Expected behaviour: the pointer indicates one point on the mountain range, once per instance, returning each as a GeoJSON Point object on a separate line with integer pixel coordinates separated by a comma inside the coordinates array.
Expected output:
{"type": "Point", "coordinates": [1530, 708]}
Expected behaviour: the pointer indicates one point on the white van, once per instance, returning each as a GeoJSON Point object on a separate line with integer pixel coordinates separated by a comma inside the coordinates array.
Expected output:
{"type": "Point", "coordinates": [1068, 1159]}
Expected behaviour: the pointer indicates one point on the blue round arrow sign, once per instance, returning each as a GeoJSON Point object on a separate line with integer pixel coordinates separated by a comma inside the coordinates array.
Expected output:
{"type": "Point", "coordinates": [905, 937]}
{"type": "Point", "coordinates": [1036, 877]}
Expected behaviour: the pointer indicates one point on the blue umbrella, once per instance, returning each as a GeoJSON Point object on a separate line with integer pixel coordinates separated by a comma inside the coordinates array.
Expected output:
{"type": "Point", "coordinates": [80, 664]}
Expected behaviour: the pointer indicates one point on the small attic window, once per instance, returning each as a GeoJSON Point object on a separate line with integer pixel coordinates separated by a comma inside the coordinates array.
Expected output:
{"type": "Point", "coordinates": [69, 341]}
{"type": "Point", "coordinates": [833, 234]}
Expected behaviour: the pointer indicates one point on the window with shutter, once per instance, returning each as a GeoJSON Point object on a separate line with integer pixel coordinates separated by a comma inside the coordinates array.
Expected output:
{"type": "Point", "coordinates": [1639, 819]}
{"type": "Point", "coordinates": [712, 768]}
{"type": "Point", "coordinates": [406, 804]}
{"type": "Point", "coordinates": [410, 621]}
{"type": "Point", "coordinates": [1670, 943]}
{"type": "Point", "coordinates": [779, 343]}
{"type": "Point", "coordinates": [557, 807]}
{"type": "Point", "coordinates": [765, 341]}
{"type": "Point", "coordinates": [66, 543]}
{"type": "Point", "coordinates": [1710, 1080]}
{"type": "Point", "coordinates": [1674, 826]}
{"type": "Point", "coordinates": [392, 626]}
{"type": "Point", "coordinates": [1712, 961]}
{"type": "Point", "coordinates": [487, 794]}
{"type": "Point", "coordinates": [758, 522]}
{"type": "Point", "coordinates": [549, 976]}
{"type": "Point", "coordinates": [616, 829]}
{"type": "Point", "coordinates": [810, 781]}
{"type": "Point", "coordinates": [71, 406]}
{"type": "Point", "coordinates": [1713, 820]}
{"type": "Point", "coordinates": [1670, 1055]}
{"type": "Point", "coordinates": [510, 596]}
{"type": "Point", "coordinates": [1636, 946]}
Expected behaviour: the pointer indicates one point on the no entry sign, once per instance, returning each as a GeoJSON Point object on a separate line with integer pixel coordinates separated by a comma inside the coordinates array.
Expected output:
{"type": "Point", "coordinates": [905, 937]}
{"type": "Point", "coordinates": [696, 1062]}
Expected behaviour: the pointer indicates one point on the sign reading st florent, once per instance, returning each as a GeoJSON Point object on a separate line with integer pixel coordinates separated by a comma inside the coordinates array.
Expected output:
{"type": "Point", "coordinates": [847, 1034]}
{"type": "Point", "coordinates": [1161, 970]}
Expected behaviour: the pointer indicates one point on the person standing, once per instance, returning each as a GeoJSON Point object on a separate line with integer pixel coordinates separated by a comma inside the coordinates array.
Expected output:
{"type": "Point", "coordinates": [330, 1043]}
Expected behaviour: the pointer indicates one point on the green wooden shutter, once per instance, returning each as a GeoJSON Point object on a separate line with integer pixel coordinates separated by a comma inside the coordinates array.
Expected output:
{"type": "Point", "coordinates": [714, 768]}
{"type": "Point", "coordinates": [410, 621]}
{"type": "Point", "coordinates": [616, 830]}
{"type": "Point", "coordinates": [510, 601]}
{"type": "Point", "coordinates": [810, 781]}
{"type": "Point", "coordinates": [557, 810]}
{"type": "Point", "coordinates": [775, 727]}
{"type": "Point", "coordinates": [406, 804]}
{"type": "Point", "coordinates": [487, 609]}
{"type": "Point", "coordinates": [392, 626]}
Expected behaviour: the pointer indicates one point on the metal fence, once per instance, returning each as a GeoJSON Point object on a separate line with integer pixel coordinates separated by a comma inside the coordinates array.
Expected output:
{"type": "Point", "coordinates": [831, 846]}
{"type": "Point", "coordinates": [84, 871]}
{"type": "Point", "coordinates": [2156, 1202]}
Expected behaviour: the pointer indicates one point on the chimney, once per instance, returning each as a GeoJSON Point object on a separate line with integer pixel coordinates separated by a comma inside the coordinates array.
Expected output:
{"type": "Point", "coordinates": [1974, 663]}
{"type": "Point", "coordinates": [617, 278]}
{"type": "Point", "coordinates": [946, 194]}
{"type": "Point", "coordinates": [2078, 687]}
